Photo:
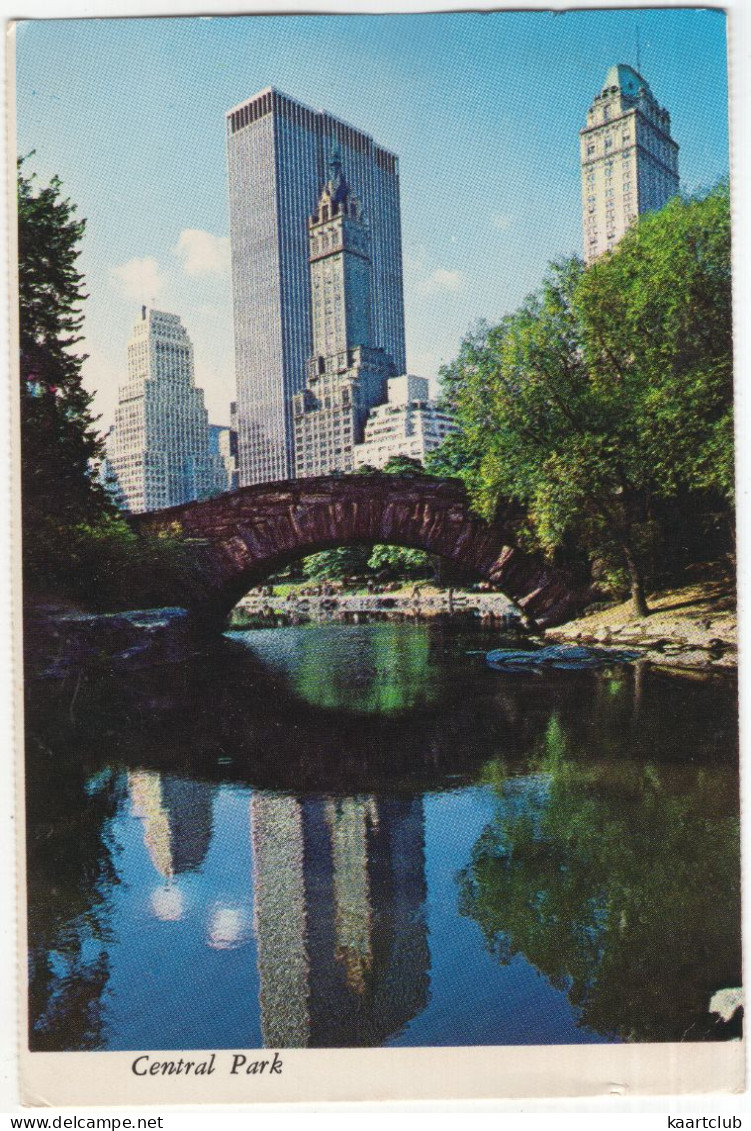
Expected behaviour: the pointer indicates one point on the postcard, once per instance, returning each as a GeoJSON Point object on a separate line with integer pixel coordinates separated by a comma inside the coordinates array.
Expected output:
{"type": "Point", "coordinates": [379, 721]}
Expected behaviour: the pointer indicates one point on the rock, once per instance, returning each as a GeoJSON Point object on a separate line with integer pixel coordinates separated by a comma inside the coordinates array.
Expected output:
{"type": "Point", "coordinates": [726, 1002]}
{"type": "Point", "coordinates": [682, 658]}
{"type": "Point", "coordinates": [58, 644]}
{"type": "Point", "coordinates": [559, 656]}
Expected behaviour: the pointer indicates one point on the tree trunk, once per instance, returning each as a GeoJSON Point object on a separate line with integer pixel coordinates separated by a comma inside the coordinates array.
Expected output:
{"type": "Point", "coordinates": [636, 577]}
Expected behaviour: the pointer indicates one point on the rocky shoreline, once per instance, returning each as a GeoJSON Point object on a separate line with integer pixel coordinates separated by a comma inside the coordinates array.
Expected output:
{"type": "Point", "coordinates": [420, 602]}
{"type": "Point", "coordinates": [60, 642]}
{"type": "Point", "coordinates": [689, 629]}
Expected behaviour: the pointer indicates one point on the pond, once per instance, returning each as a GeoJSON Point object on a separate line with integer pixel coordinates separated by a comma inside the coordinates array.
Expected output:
{"type": "Point", "coordinates": [360, 835]}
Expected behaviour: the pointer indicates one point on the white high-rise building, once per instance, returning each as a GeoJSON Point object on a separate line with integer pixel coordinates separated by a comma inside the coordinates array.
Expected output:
{"type": "Point", "coordinates": [159, 448]}
{"type": "Point", "coordinates": [629, 161]}
{"type": "Point", "coordinates": [409, 424]}
{"type": "Point", "coordinates": [277, 155]}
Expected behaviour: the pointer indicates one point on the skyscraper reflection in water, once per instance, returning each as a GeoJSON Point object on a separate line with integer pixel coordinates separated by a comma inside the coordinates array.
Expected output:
{"type": "Point", "coordinates": [339, 917]}
{"type": "Point", "coordinates": [177, 816]}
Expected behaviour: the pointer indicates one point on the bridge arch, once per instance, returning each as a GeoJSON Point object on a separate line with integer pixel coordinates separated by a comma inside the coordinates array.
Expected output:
{"type": "Point", "coordinates": [241, 537]}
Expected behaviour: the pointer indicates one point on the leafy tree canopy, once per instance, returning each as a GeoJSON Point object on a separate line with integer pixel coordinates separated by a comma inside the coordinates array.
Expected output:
{"type": "Point", "coordinates": [59, 442]}
{"type": "Point", "coordinates": [608, 390]}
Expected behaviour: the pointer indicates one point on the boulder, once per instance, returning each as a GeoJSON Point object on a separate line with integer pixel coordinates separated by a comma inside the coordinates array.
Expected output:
{"type": "Point", "coordinates": [570, 657]}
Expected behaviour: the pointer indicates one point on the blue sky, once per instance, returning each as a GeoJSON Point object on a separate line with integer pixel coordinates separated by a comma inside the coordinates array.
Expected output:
{"type": "Point", "coordinates": [483, 110]}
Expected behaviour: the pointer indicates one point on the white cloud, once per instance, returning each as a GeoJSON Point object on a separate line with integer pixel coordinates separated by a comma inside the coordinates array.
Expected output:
{"type": "Point", "coordinates": [201, 253]}
{"type": "Point", "coordinates": [442, 280]}
{"type": "Point", "coordinates": [502, 221]}
{"type": "Point", "coordinates": [141, 280]}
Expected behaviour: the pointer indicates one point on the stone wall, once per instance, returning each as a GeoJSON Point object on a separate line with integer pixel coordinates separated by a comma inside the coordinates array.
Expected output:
{"type": "Point", "coordinates": [241, 537]}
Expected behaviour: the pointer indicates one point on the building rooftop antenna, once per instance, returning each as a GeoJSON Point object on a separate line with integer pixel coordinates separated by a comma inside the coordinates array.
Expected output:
{"type": "Point", "coordinates": [638, 52]}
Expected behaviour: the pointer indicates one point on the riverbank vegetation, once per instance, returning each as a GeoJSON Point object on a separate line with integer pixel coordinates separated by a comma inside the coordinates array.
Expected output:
{"type": "Point", "coordinates": [603, 405]}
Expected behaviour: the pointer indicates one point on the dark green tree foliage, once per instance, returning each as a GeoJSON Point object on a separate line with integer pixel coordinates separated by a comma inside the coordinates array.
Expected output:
{"type": "Point", "coordinates": [657, 319]}
{"type": "Point", "coordinates": [58, 436]}
{"type": "Point", "coordinates": [399, 561]}
{"type": "Point", "coordinates": [76, 544]}
{"type": "Point", "coordinates": [607, 393]}
{"type": "Point", "coordinates": [336, 564]}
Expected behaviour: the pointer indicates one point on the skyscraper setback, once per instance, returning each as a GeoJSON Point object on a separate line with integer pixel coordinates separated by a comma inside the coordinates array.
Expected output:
{"type": "Point", "coordinates": [159, 448]}
{"type": "Point", "coordinates": [277, 153]}
{"type": "Point", "coordinates": [629, 161]}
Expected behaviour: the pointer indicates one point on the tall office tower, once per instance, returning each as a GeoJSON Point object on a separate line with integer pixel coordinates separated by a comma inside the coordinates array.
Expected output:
{"type": "Point", "coordinates": [159, 448]}
{"type": "Point", "coordinates": [629, 161]}
{"type": "Point", "coordinates": [346, 375]}
{"type": "Point", "coordinates": [277, 154]}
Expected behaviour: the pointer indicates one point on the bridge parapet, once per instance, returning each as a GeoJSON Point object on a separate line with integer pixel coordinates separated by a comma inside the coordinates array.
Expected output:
{"type": "Point", "coordinates": [243, 536]}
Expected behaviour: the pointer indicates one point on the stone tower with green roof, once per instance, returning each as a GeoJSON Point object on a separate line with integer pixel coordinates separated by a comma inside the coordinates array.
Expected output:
{"type": "Point", "coordinates": [629, 161]}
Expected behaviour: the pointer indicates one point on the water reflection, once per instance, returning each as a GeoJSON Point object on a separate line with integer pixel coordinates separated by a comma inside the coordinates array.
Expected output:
{"type": "Point", "coordinates": [177, 819]}
{"type": "Point", "coordinates": [621, 883]}
{"type": "Point", "coordinates": [342, 942]}
{"type": "Point", "coordinates": [218, 860]}
{"type": "Point", "coordinates": [367, 668]}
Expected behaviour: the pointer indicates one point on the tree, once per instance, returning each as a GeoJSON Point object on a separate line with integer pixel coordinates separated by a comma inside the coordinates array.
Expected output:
{"type": "Point", "coordinates": [657, 320]}
{"type": "Point", "coordinates": [607, 391]}
{"type": "Point", "coordinates": [403, 465]}
{"type": "Point", "coordinates": [398, 561]}
{"type": "Point", "coordinates": [335, 564]}
{"type": "Point", "coordinates": [59, 443]}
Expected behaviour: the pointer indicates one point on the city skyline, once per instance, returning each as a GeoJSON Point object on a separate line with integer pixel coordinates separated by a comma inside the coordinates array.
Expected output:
{"type": "Point", "coordinates": [488, 156]}
{"type": "Point", "coordinates": [278, 151]}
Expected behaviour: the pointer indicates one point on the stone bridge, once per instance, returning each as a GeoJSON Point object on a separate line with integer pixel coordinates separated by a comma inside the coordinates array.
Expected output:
{"type": "Point", "coordinates": [241, 537]}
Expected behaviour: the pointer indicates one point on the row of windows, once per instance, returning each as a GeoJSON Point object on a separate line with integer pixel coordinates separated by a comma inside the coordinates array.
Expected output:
{"type": "Point", "coordinates": [251, 112]}
{"type": "Point", "coordinates": [609, 141]}
{"type": "Point", "coordinates": [309, 119]}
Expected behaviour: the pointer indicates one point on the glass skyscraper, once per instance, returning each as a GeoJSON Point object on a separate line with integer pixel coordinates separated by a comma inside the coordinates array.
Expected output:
{"type": "Point", "coordinates": [278, 153]}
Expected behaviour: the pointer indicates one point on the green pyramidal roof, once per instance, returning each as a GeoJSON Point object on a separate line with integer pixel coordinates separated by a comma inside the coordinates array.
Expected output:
{"type": "Point", "coordinates": [626, 78]}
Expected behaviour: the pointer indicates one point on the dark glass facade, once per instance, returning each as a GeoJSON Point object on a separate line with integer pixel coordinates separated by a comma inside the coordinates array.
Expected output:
{"type": "Point", "coordinates": [277, 153]}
